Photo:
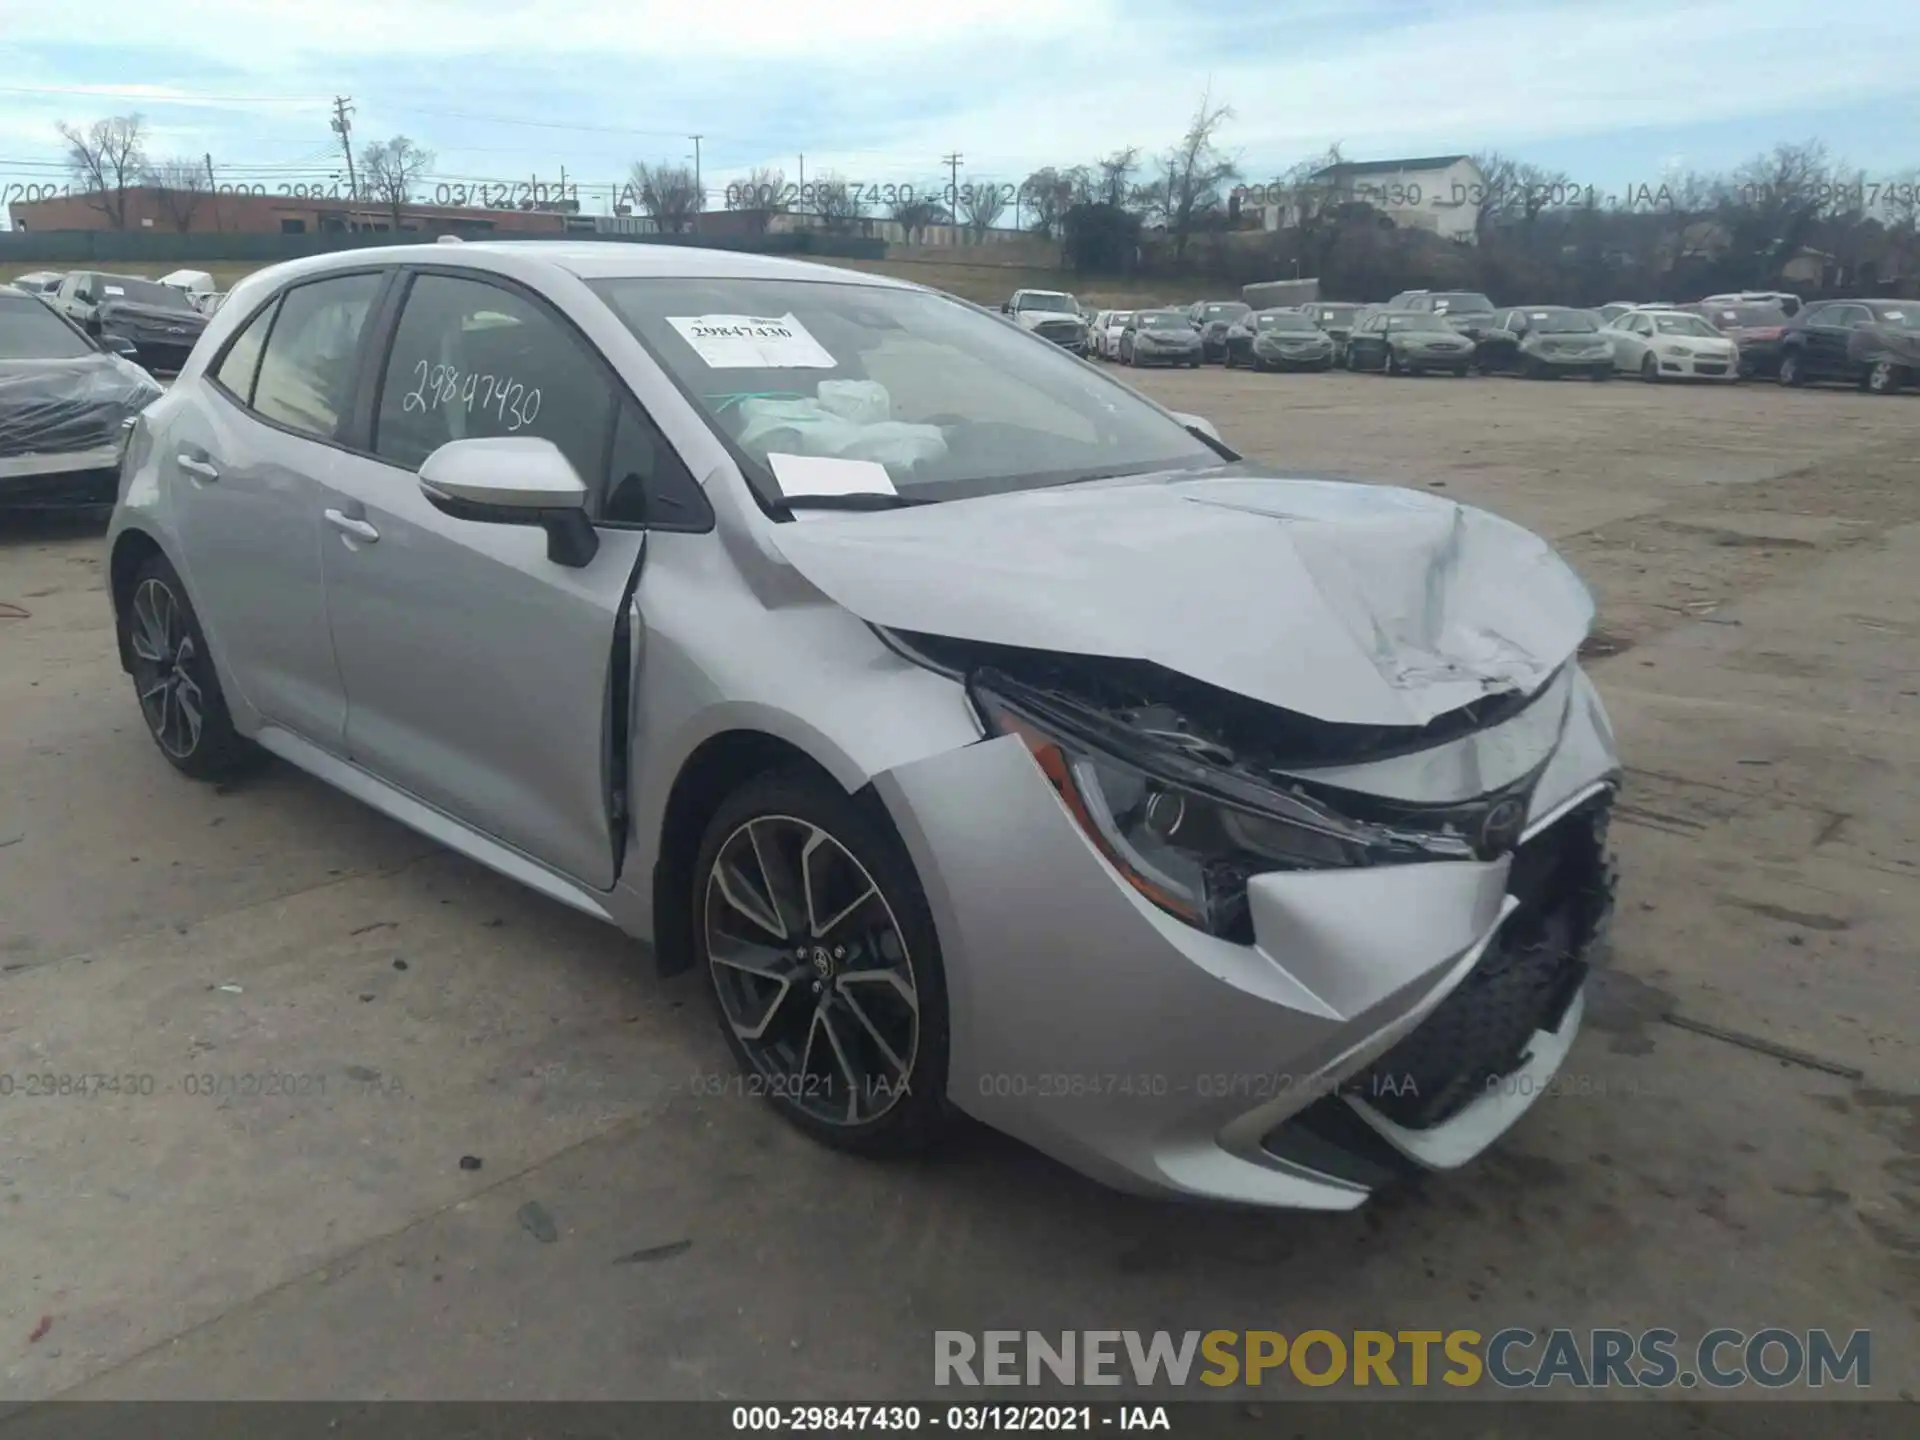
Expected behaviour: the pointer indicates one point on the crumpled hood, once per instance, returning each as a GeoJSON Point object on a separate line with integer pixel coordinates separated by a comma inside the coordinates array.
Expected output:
{"type": "Point", "coordinates": [1351, 603]}
{"type": "Point", "coordinates": [1890, 341]}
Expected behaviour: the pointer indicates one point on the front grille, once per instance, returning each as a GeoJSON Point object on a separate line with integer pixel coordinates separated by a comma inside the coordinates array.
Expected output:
{"type": "Point", "coordinates": [1063, 332]}
{"type": "Point", "coordinates": [1524, 982]}
{"type": "Point", "coordinates": [1710, 367]}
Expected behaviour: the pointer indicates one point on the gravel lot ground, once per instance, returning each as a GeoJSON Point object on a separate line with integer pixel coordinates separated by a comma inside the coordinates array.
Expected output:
{"type": "Point", "coordinates": [1754, 551]}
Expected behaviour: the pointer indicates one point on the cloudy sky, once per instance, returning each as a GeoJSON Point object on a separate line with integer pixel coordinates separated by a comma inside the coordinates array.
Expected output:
{"type": "Point", "coordinates": [1615, 93]}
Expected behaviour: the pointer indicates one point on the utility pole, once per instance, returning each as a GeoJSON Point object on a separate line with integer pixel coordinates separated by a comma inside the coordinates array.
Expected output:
{"type": "Point", "coordinates": [342, 108]}
{"type": "Point", "coordinates": [213, 192]}
{"type": "Point", "coordinates": [697, 183]}
{"type": "Point", "coordinates": [803, 173]}
{"type": "Point", "coordinates": [952, 162]}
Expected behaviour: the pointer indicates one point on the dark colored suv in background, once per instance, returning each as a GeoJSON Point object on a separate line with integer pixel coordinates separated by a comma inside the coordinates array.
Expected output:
{"type": "Point", "coordinates": [159, 321]}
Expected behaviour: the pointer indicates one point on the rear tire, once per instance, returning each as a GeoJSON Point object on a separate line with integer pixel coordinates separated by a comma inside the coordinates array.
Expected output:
{"type": "Point", "coordinates": [1792, 372]}
{"type": "Point", "coordinates": [829, 961]}
{"type": "Point", "coordinates": [1650, 370]}
{"type": "Point", "coordinates": [174, 680]}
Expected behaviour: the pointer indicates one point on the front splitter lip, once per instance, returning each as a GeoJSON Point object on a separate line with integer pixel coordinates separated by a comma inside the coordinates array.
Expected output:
{"type": "Point", "coordinates": [1460, 1139]}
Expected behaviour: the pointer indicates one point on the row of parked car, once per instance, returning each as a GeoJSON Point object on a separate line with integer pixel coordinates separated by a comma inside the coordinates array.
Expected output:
{"type": "Point", "coordinates": [153, 321]}
{"type": "Point", "coordinates": [1872, 343]}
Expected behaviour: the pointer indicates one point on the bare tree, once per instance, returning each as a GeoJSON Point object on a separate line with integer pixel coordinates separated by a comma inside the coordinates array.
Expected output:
{"type": "Point", "coordinates": [1047, 193]}
{"type": "Point", "coordinates": [106, 160]}
{"type": "Point", "coordinates": [838, 203]}
{"type": "Point", "coordinates": [762, 188]}
{"type": "Point", "coordinates": [915, 210]}
{"type": "Point", "coordinates": [389, 169]}
{"type": "Point", "coordinates": [1115, 176]}
{"type": "Point", "coordinates": [179, 185]}
{"type": "Point", "coordinates": [1492, 201]}
{"type": "Point", "coordinates": [669, 193]}
{"type": "Point", "coordinates": [1193, 172]}
{"type": "Point", "coordinates": [981, 206]}
{"type": "Point", "coordinates": [1779, 198]}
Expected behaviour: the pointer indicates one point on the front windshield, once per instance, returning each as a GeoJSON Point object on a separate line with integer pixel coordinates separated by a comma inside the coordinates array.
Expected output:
{"type": "Point", "coordinates": [1165, 320]}
{"type": "Point", "coordinates": [144, 292]}
{"type": "Point", "coordinates": [1337, 314]}
{"type": "Point", "coordinates": [1463, 303]}
{"type": "Point", "coordinates": [948, 401]}
{"type": "Point", "coordinates": [30, 331]}
{"type": "Point", "coordinates": [1684, 325]}
{"type": "Point", "coordinates": [1419, 321]}
{"type": "Point", "coordinates": [1224, 311]}
{"type": "Point", "coordinates": [1120, 317]}
{"type": "Point", "coordinates": [1560, 322]}
{"type": "Point", "coordinates": [1903, 317]}
{"type": "Point", "coordinates": [1044, 300]}
{"type": "Point", "coordinates": [1286, 320]}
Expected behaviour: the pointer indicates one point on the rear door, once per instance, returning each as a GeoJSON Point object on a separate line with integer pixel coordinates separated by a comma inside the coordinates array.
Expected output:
{"type": "Point", "coordinates": [1827, 333]}
{"type": "Point", "coordinates": [478, 671]}
{"type": "Point", "coordinates": [245, 464]}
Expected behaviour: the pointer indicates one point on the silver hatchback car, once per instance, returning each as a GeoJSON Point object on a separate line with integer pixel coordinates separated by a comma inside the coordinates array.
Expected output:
{"type": "Point", "coordinates": [993, 739]}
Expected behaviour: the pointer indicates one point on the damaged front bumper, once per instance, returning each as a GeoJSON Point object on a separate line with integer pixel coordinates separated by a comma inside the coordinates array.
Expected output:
{"type": "Point", "coordinates": [1383, 1020]}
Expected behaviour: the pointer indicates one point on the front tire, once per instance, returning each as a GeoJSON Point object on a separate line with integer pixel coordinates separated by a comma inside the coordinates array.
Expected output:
{"type": "Point", "coordinates": [1650, 370]}
{"type": "Point", "coordinates": [1883, 378]}
{"type": "Point", "coordinates": [174, 679]}
{"type": "Point", "coordinates": [823, 963]}
{"type": "Point", "coordinates": [1392, 365]}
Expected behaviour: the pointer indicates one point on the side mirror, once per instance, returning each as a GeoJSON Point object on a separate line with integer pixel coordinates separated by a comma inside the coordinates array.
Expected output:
{"type": "Point", "coordinates": [92, 323]}
{"type": "Point", "coordinates": [1006, 307]}
{"type": "Point", "coordinates": [1199, 425]}
{"type": "Point", "coordinates": [514, 480]}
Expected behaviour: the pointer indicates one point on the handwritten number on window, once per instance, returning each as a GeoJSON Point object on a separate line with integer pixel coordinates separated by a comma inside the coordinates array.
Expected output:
{"type": "Point", "coordinates": [514, 405]}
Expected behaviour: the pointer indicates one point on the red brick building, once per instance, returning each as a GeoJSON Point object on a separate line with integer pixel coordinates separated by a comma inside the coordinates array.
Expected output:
{"type": "Point", "coordinates": [203, 213]}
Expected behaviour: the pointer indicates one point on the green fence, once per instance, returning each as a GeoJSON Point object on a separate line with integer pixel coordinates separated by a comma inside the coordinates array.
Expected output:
{"type": "Point", "coordinates": [73, 249]}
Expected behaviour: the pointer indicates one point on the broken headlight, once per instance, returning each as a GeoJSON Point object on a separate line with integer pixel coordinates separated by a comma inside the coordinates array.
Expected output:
{"type": "Point", "coordinates": [1181, 828]}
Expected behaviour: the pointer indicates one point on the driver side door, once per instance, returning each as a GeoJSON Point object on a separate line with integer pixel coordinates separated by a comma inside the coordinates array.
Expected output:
{"type": "Point", "coordinates": [479, 673]}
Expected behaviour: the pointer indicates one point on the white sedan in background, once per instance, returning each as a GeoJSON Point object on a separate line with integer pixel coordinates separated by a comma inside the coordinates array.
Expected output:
{"type": "Point", "coordinates": [1106, 336]}
{"type": "Point", "coordinates": [1671, 345]}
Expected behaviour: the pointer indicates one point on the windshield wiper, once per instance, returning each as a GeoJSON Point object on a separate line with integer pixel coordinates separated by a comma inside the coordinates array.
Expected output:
{"type": "Point", "coordinates": [866, 500]}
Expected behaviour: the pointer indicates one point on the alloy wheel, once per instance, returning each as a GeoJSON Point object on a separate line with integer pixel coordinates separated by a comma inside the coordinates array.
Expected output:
{"type": "Point", "coordinates": [163, 648]}
{"type": "Point", "coordinates": [1881, 379]}
{"type": "Point", "coordinates": [812, 970]}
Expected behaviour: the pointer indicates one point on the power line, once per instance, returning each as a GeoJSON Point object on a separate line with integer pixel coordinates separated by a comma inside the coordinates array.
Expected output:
{"type": "Point", "coordinates": [148, 98]}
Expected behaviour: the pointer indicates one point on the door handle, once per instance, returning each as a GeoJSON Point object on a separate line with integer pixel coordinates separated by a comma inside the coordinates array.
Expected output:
{"type": "Point", "coordinates": [349, 525]}
{"type": "Point", "coordinates": [197, 467]}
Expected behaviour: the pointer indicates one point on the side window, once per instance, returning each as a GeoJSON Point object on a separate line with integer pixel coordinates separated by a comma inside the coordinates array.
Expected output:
{"type": "Point", "coordinates": [646, 481]}
{"type": "Point", "coordinates": [472, 360]}
{"type": "Point", "coordinates": [239, 365]}
{"type": "Point", "coordinates": [1852, 316]}
{"type": "Point", "coordinates": [307, 371]}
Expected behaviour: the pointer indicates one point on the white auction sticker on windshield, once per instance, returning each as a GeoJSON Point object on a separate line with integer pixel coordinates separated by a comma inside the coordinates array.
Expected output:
{"type": "Point", "coordinates": [799, 475]}
{"type": "Point", "coordinates": [116, 289]}
{"type": "Point", "coordinates": [752, 342]}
